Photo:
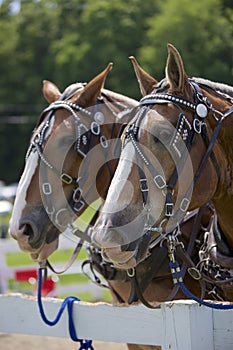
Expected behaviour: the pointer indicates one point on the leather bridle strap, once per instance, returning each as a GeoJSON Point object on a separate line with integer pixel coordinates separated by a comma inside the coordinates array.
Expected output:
{"type": "Point", "coordinates": [70, 261]}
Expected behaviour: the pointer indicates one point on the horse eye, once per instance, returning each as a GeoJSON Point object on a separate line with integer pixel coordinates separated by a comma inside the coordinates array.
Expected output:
{"type": "Point", "coordinates": [156, 139]}
{"type": "Point", "coordinates": [163, 136]}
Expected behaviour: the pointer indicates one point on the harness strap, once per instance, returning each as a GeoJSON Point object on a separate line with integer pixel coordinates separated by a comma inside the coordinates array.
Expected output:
{"type": "Point", "coordinates": [97, 280]}
{"type": "Point", "coordinates": [177, 278]}
{"type": "Point", "coordinates": [136, 294]}
{"type": "Point", "coordinates": [185, 256]}
{"type": "Point", "coordinates": [70, 261]}
{"type": "Point", "coordinates": [138, 287]}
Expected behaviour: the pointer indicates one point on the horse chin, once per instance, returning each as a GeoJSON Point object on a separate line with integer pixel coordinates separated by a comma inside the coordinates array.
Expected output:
{"type": "Point", "coordinates": [130, 264]}
{"type": "Point", "coordinates": [45, 252]}
{"type": "Point", "coordinates": [121, 260]}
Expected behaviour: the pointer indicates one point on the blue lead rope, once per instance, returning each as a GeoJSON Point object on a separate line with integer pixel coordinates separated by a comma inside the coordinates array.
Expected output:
{"type": "Point", "coordinates": [177, 279]}
{"type": "Point", "coordinates": [84, 344]}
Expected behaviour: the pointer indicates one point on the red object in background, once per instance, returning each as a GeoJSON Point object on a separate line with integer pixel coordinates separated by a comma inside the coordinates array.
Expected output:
{"type": "Point", "coordinates": [24, 276]}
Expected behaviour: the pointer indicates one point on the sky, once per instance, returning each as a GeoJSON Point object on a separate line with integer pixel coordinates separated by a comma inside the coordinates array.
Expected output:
{"type": "Point", "coordinates": [15, 5]}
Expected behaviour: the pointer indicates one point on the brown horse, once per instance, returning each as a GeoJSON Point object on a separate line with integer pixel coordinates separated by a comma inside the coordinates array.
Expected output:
{"type": "Point", "coordinates": [176, 157]}
{"type": "Point", "coordinates": [69, 162]}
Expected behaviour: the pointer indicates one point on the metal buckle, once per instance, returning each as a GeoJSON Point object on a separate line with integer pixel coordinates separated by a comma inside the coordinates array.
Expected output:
{"type": "Point", "coordinates": [67, 179]}
{"type": "Point", "coordinates": [143, 185]}
{"type": "Point", "coordinates": [104, 141]}
{"type": "Point", "coordinates": [160, 182]}
{"type": "Point", "coordinates": [95, 128]}
{"type": "Point", "coordinates": [184, 204]}
{"type": "Point", "coordinates": [77, 194]}
{"type": "Point", "coordinates": [79, 205]}
{"type": "Point", "coordinates": [194, 273]}
{"type": "Point", "coordinates": [46, 187]}
{"type": "Point", "coordinates": [169, 209]}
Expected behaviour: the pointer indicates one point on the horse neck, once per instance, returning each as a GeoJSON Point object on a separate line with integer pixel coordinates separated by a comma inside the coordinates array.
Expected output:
{"type": "Point", "coordinates": [224, 210]}
{"type": "Point", "coordinates": [223, 198]}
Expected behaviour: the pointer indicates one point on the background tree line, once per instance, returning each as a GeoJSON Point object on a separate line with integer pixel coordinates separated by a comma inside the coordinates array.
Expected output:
{"type": "Point", "coordinates": [73, 40]}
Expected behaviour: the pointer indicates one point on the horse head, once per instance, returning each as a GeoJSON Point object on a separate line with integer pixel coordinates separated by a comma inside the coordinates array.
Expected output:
{"type": "Point", "coordinates": [69, 162]}
{"type": "Point", "coordinates": [174, 159]}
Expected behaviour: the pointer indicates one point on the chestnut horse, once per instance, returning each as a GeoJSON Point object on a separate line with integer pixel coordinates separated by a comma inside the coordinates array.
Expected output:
{"type": "Point", "coordinates": [176, 157]}
{"type": "Point", "coordinates": [69, 162]}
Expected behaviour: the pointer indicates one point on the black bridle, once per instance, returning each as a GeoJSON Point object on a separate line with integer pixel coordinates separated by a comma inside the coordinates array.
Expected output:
{"type": "Point", "coordinates": [200, 108]}
{"type": "Point", "coordinates": [85, 141]}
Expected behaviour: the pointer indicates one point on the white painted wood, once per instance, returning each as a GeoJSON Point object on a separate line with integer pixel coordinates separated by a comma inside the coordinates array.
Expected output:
{"type": "Point", "coordinates": [223, 329]}
{"type": "Point", "coordinates": [187, 326]}
{"type": "Point", "coordinates": [179, 325]}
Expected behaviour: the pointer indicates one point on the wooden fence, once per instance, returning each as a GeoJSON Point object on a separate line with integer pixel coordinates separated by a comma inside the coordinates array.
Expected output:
{"type": "Point", "coordinates": [179, 325]}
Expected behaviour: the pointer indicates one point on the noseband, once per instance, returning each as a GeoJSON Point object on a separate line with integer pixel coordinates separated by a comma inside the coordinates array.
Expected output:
{"type": "Point", "coordinates": [187, 131]}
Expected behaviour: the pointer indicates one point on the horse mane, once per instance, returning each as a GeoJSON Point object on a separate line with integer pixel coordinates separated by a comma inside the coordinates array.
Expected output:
{"type": "Point", "coordinates": [220, 87]}
{"type": "Point", "coordinates": [119, 97]}
{"type": "Point", "coordinates": [68, 92]}
{"type": "Point", "coordinates": [122, 100]}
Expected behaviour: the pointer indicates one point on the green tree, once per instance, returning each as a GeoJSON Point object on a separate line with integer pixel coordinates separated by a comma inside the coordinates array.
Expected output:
{"type": "Point", "coordinates": [73, 40]}
{"type": "Point", "coordinates": [200, 30]}
{"type": "Point", "coordinates": [102, 31]}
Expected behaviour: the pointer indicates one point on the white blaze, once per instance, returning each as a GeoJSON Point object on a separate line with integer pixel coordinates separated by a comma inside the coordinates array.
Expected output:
{"type": "Point", "coordinates": [20, 200]}
{"type": "Point", "coordinates": [121, 189]}
{"type": "Point", "coordinates": [29, 171]}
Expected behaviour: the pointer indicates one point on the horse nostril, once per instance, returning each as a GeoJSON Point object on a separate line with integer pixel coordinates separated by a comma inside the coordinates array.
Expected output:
{"type": "Point", "coordinates": [28, 231]}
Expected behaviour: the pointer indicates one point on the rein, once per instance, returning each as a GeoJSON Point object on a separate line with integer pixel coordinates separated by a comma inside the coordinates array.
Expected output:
{"type": "Point", "coordinates": [85, 344]}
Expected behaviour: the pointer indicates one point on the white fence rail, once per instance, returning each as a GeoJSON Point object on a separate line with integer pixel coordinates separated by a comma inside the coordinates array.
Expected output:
{"type": "Point", "coordinates": [180, 325]}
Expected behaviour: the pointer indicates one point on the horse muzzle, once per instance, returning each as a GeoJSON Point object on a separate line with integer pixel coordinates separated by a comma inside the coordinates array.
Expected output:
{"type": "Point", "coordinates": [116, 247]}
{"type": "Point", "coordinates": [40, 237]}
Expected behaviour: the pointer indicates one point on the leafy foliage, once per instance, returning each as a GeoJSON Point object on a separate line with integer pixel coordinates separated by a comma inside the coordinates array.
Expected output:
{"type": "Point", "coordinates": [73, 40]}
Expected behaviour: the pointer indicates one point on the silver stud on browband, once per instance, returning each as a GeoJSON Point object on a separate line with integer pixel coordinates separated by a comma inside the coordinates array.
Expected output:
{"type": "Point", "coordinates": [201, 110]}
{"type": "Point", "coordinates": [99, 118]}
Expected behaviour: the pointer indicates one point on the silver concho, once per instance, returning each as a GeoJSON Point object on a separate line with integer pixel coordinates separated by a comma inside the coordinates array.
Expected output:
{"type": "Point", "coordinates": [201, 110]}
{"type": "Point", "coordinates": [99, 117]}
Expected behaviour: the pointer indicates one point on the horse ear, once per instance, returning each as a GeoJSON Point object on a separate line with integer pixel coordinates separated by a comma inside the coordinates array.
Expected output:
{"type": "Point", "coordinates": [175, 72]}
{"type": "Point", "coordinates": [50, 91]}
{"type": "Point", "coordinates": [146, 82]}
{"type": "Point", "coordinates": [92, 90]}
